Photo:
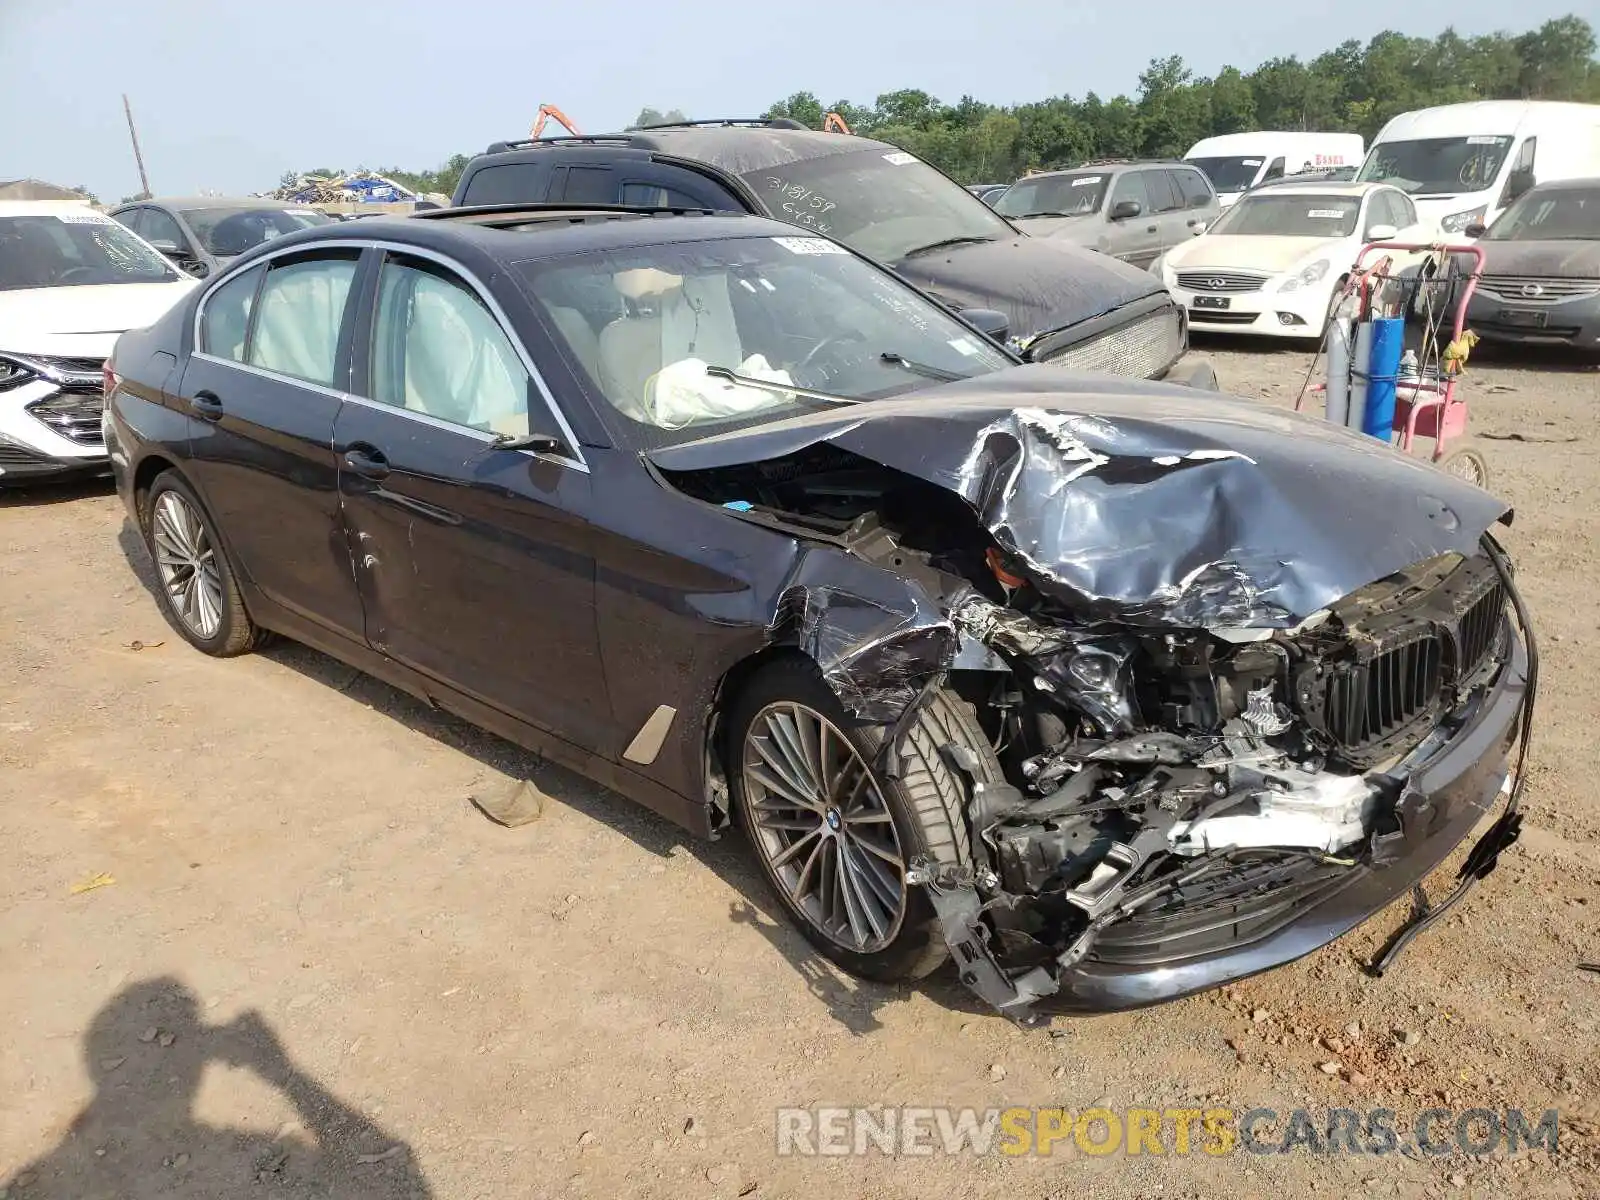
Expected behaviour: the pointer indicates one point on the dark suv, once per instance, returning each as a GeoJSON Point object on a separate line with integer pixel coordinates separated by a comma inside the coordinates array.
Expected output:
{"type": "Point", "coordinates": [1063, 303]}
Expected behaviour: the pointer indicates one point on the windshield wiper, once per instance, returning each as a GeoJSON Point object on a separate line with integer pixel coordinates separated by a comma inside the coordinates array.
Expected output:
{"type": "Point", "coordinates": [783, 389]}
{"type": "Point", "coordinates": [1047, 212]}
{"type": "Point", "coordinates": [946, 243]}
{"type": "Point", "coordinates": [916, 368]}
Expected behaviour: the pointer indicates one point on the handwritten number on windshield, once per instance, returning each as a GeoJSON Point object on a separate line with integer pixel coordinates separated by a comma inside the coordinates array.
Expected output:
{"type": "Point", "coordinates": [800, 205]}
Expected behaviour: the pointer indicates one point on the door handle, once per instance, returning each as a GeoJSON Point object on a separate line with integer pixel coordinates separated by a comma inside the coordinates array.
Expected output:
{"type": "Point", "coordinates": [1149, 228]}
{"type": "Point", "coordinates": [207, 406]}
{"type": "Point", "coordinates": [367, 462]}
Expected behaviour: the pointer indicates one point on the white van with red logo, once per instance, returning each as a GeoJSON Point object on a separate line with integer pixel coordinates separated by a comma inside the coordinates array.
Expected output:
{"type": "Point", "coordinates": [1237, 162]}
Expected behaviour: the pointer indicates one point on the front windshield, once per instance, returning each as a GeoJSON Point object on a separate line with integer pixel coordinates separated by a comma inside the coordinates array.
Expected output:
{"type": "Point", "coordinates": [1437, 166]}
{"type": "Point", "coordinates": [646, 323]}
{"type": "Point", "coordinates": [884, 204]}
{"type": "Point", "coordinates": [1229, 174]}
{"type": "Point", "coordinates": [1568, 214]}
{"type": "Point", "coordinates": [72, 249]}
{"type": "Point", "coordinates": [230, 231]}
{"type": "Point", "coordinates": [1293, 215]}
{"type": "Point", "coordinates": [1075, 195]}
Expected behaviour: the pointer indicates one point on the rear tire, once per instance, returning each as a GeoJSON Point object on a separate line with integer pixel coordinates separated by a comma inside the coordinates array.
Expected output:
{"type": "Point", "coordinates": [919, 815]}
{"type": "Point", "coordinates": [200, 595]}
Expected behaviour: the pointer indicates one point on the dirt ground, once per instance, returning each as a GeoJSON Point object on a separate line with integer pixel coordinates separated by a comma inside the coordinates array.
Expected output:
{"type": "Point", "coordinates": [311, 967]}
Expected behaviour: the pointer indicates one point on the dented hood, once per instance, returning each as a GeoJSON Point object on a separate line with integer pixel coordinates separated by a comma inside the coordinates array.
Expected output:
{"type": "Point", "coordinates": [1041, 284]}
{"type": "Point", "coordinates": [1150, 503]}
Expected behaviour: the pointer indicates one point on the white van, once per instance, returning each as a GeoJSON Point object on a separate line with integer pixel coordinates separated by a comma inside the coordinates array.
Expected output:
{"type": "Point", "coordinates": [1464, 163]}
{"type": "Point", "coordinates": [1236, 162]}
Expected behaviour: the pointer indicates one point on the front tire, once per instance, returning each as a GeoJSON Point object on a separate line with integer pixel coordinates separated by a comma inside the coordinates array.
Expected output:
{"type": "Point", "coordinates": [200, 596]}
{"type": "Point", "coordinates": [833, 836]}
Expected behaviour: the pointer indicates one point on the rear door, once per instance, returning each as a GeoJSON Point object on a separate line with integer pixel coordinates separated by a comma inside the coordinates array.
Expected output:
{"type": "Point", "coordinates": [1169, 207]}
{"type": "Point", "coordinates": [1200, 205]}
{"type": "Point", "coordinates": [265, 382]}
{"type": "Point", "coordinates": [1135, 239]}
{"type": "Point", "coordinates": [474, 562]}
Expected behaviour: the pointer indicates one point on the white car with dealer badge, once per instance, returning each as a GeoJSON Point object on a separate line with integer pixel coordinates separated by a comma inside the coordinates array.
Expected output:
{"type": "Point", "coordinates": [71, 283]}
{"type": "Point", "coordinates": [1273, 262]}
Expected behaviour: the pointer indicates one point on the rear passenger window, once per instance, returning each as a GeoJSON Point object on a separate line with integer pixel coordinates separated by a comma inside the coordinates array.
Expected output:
{"type": "Point", "coordinates": [510, 183]}
{"type": "Point", "coordinates": [227, 316]}
{"type": "Point", "coordinates": [590, 185]}
{"type": "Point", "coordinates": [653, 195]}
{"type": "Point", "coordinates": [298, 316]}
{"type": "Point", "coordinates": [1164, 195]}
{"type": "Point", "coordinates": [1196, 191]}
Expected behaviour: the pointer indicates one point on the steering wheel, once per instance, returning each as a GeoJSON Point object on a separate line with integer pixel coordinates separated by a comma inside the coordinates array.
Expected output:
{"type": "Point", "coordinates": [835, 339]}
{"type": "Point", "coordinates": [72, 272]}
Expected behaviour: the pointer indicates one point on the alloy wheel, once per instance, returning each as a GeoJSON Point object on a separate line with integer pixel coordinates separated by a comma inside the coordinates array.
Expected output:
{"type": "Point", "coordinates": [820, 821]}
{"type": "Point", "coordinates": [187, 562]}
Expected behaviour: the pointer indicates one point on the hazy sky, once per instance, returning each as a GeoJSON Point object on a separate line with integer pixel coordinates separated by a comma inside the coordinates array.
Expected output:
{"type": "Point", "coordinates": [230, 94]}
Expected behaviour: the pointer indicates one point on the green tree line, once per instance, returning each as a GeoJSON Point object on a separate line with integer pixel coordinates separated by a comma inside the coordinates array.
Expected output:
{"type": "Point", "coordinates": [1350, 88]}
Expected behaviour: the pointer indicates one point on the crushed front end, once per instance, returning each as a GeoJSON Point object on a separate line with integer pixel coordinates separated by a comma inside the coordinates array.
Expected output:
{"type": "Point", "coordinates": [1184, 808]}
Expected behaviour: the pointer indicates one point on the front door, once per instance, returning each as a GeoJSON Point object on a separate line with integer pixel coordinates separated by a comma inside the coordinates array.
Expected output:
{"type": "Point", "coordinates": [474, 561]}
{"type": "Point", "coordinates": [1135, 239]}
{"type": "Point", "coordinates": [263, 385]}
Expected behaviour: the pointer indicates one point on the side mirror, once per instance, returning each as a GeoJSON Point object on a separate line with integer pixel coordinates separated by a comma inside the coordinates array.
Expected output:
{"type": "Point", "coordinates": [195, 267]}
{"type": "Point", "coordinates": [1382, 233]}
{"type": "Point", "coordinates": [1199, 228]}
{"type": "Point", "coordinates": [990, 321]}
{"type": "Point", "coordinates": [1476, 230]}
{"type": "Point", "coordinates": [166, 246]}
{"type": "Point", "coordinates": [1124, 209]}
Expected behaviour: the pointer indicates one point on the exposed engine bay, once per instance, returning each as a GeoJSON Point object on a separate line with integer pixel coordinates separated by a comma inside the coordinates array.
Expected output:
{"type": "Point", "coordinates": [1170, 783]}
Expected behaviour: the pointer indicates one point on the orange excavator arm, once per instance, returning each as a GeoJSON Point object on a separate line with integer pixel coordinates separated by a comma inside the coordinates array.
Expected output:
{"type": "Point", "coordinates": [546, 111]}
{"type": "Point", "coordinates": [834, 123]}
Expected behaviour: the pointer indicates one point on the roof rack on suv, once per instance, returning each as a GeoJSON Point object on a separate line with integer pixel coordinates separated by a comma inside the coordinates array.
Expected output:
{"type": "Point", "coordinates": [763, 122]}
{"type": "Point", "coordinates": [603, 139]}
{"type": "Point", "coordinates": [497, 215]}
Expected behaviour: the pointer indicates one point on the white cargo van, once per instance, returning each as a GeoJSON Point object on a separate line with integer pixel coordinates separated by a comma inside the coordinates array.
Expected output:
{"type": "Point", "coordinates": [1236, 162]}
{"type": "Point", "coordinates": [1464, 163]}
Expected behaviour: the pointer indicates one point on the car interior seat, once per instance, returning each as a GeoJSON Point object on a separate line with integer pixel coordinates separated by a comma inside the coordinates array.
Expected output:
{"type": "Point", "coordinates": [693, 319]}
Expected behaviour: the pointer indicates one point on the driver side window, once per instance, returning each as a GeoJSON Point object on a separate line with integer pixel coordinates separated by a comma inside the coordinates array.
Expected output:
{"type": "Point", "coordinates": [438, 350]}
{"type": "Point", "coordinates": [1130, 186]}
{"type": "Point", "coordinates": [160, 230]}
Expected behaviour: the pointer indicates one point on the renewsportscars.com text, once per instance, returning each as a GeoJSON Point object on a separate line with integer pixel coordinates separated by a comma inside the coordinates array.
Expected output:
{"type": "Point", "coordinates": [910, 1131]}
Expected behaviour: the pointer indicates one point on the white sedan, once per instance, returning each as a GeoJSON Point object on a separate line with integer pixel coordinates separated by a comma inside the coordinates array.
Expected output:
{"type": "Point", "coordinates": [1271, 263]}
{"type": "Point", "coordinates": [71, 282]}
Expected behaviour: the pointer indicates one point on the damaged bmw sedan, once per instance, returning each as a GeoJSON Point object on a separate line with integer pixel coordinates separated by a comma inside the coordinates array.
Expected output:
{"type": "Point", "coordinates": [1111, 691]}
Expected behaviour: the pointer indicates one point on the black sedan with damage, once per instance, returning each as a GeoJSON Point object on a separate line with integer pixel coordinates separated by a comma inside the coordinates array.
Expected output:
{"type": "Point", "coordinates": [1112, 691]}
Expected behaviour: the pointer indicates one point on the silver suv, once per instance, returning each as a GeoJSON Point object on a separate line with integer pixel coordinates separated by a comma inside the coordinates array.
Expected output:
{"type": "Point", "coordinates": [1132, 211]}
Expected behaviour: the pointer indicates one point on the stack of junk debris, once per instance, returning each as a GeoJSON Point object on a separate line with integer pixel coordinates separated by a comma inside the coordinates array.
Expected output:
{"type": "Point", "coordinates": [363, 192]}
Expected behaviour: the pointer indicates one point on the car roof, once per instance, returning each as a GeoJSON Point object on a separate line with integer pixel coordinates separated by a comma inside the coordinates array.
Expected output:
{"type": "Point", "coordinates": [23, 208]}
{"type": "Point", "coordinates": [524, 233]}
{"type": "Point", "coordinates": [186, 203]}
{"type": "Point", "coordinates": [1111, 168]}
{"type": "Point", "coordinates": [1330, 187]}
{"type": "Point", "coordinates": [734, 146]}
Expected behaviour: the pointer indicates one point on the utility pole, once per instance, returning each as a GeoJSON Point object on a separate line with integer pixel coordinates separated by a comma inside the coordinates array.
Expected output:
{"type": "Point", "coordinates": [144, 181]}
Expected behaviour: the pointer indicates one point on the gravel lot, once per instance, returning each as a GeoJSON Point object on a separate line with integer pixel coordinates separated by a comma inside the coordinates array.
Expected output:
{"type": "Point", "coordinates": [312, 968]}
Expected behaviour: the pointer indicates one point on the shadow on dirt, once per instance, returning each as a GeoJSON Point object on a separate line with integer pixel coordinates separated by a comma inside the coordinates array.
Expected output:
{"type": "Point", "coordinates": [852, 1002]}
{"type": "Point", "coordinates": [65, 491]}
{"type": "Point", "coordinates": [146, 1052]}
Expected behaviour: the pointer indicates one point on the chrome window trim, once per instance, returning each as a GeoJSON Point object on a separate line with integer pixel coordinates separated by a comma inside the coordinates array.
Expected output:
{"type": "Point", "coordinates": [576, 460]}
